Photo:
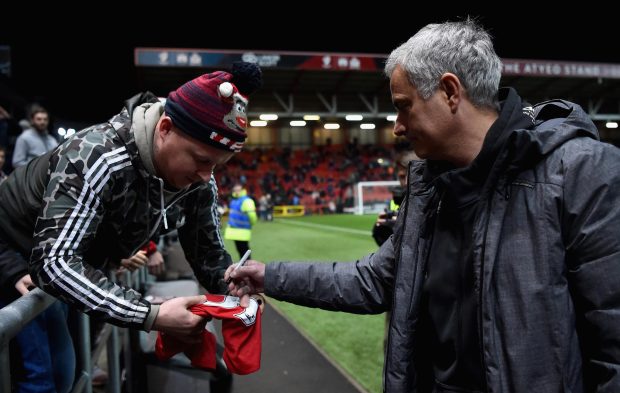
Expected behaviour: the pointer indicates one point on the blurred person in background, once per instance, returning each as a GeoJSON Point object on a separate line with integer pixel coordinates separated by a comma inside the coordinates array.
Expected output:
{"type": "Point", "coordinates": [241, 218]}
{"type": "Point", "coordinates": [36, 140]}
{"type": "Point", "coordinates": [2, 161]}
{"type": "Point", "coordinates": [403, 154]}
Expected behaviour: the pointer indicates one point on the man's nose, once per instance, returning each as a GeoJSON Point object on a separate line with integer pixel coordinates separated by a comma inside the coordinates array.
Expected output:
{"type": "Point", "coordinates": [399, 129]}
{"type": "Point", "coordinates": [205, 173]}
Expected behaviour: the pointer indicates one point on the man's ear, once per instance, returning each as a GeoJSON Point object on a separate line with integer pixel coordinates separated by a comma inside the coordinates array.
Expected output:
{"type": "Point", "coordinates": [453, 90]}
{"type": "Point", "coordinates": [164, 127]}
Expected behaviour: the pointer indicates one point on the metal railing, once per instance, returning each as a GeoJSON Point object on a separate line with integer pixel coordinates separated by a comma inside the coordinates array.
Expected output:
{"type": "Point", "coordinates": [13, 318]}
{"type": "Point", "coordinates": [17, 314]}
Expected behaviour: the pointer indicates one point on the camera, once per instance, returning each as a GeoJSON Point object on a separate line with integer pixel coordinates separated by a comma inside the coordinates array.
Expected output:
{"type": "Point", "coordinates": [390, 215]}
{"type": "Point", "coordinates": [398, 194]}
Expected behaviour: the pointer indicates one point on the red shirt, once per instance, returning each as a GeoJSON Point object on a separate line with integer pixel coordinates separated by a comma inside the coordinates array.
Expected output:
{"type": "Point", "coordinates": [241, 329]}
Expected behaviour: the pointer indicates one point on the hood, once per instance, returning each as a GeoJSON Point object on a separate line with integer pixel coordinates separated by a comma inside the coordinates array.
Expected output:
{"type": "Point", "coordinates": [552, 123]}
{"type": "Point", "coordinates": [555, 122]}
{"type": "Point", "coordinates": [138, 100]}
{"type": "Point", "coordinates": [122, 123]}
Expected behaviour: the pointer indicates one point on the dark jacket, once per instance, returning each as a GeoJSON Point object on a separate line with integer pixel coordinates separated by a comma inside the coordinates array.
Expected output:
{"type": "Point", "coordinates": [546, 254]}
{"type": "Point", "coordinates": [91, 201]}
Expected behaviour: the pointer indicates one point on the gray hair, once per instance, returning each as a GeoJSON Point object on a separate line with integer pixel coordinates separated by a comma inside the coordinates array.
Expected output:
{"type": "Point", "coordinates": [463, 48]}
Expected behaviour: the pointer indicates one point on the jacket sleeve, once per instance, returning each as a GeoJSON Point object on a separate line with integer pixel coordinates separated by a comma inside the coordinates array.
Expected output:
{"type": "Point", "coordinates": [202, 241]}
{"type": "Point", "coordinates": [81, 183]}
{"type": "Point", "coordinates": [361, 287]}
{"type": "Point", "coordinates": [591, 229]}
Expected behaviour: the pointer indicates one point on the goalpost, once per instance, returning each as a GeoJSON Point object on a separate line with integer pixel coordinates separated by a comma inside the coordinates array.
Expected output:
{"type": "Point", "coordinates": [372, 197]}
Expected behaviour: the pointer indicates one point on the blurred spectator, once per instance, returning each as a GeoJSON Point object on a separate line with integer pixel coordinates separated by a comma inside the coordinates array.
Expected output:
{"type": "Point", "coordinates": [2, 159]}
{"type": "Point", "coordinates": [269, 208]}
{"type": "Point", "coordinates": [262, 207]}
{"type": "Point", "coordinates": [4, 128]}
{"type": "Point", "coordinates": [241, 217]}
{"type": "Point", "coordinates": [295, 199]}
{"type": "Point", "coordinates": [35, 141]}
{"type": "Point", "coordinates": [403, 154]}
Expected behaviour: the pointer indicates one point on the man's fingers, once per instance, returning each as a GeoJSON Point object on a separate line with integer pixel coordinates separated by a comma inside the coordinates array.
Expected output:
{"type": "Point", "coordinates": [140, 259]}
{"type": "Point", "coordinates": [244, 301]}
{"type": "Point", "coordinates": [23, 284]}
{"type": "Point", "coordinates": [244, 271]}
{"type": "Point", "coordinates": [191, 300]}
{"type": "Point", "coordinates": [227, 272]}
{"type": "Point", "coordinates": [21, 288]}
{"type": "Point", "coordinates": [246, 289]}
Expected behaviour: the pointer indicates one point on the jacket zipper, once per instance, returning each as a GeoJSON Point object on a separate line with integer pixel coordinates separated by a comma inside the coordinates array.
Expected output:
{"type": "Point", "coordinates": [162, 213]}
{"type": "Point", "coordinates": [480, 297]}
{"type": "Point", "coordinates": [397, 260]}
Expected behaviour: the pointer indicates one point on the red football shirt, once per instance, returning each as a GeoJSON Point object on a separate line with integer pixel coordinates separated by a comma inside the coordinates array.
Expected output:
{"type": "Point", "coordinates": [241, 329]}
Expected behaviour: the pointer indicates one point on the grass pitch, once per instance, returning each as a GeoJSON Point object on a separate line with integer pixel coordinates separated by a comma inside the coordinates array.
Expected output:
{"type": "Point", "coordinates": [355, 342]}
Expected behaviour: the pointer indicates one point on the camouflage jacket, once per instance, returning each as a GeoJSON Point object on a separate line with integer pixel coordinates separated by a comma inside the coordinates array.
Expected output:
{"type": "Point", "coordinates": [91, 201]}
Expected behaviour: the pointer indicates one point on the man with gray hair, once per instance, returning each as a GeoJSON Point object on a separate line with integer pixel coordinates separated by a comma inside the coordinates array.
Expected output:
{"type": "Point", "coordinates": [503, 271]}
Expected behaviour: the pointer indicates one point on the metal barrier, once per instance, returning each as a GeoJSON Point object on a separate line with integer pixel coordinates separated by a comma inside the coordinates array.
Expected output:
{"type": "Point", "coordinates": [289, 211]}
{"type": "Point", "coordinates": [13, 318]}
{"type": "Point", "coordinates": [16, 315]}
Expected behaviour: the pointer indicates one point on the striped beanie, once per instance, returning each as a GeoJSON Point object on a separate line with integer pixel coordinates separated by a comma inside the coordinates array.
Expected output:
{"type": "Point", "coordinates": [212, 107]}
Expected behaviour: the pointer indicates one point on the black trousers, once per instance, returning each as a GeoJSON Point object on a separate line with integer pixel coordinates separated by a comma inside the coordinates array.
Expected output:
{"type": "Point", "coordinates": [242, 247]}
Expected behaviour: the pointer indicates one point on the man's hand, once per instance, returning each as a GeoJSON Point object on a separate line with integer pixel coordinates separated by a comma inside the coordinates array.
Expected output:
{"type": "Point", "coordinates": [384, 227]}
{"type": "Point", "coordinates": [138, 260]}
{"type": "Point", "coordinates": [247, 280]}
{"type": "Point", "coordinates": [24, 285]}
{"type": "Point", "coordinates": [387, 218]}
{"type": "Point", "coordinates": [156, 263]}
{"type": "Point", "coordinates": [175, 319]}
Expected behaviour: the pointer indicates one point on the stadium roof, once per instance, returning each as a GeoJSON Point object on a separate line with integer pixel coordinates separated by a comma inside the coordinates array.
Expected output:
{"type": "Point", "coordinates": [333, 85]}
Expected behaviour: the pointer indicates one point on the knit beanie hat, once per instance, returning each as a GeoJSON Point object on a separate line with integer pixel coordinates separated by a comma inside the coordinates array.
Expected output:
{"type": "Point", "coordinates": [212, 107]}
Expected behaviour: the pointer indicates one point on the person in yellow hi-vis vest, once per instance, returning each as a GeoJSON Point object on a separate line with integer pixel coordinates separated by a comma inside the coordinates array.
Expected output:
{"type": "Point", "coordinates": [241, 217]}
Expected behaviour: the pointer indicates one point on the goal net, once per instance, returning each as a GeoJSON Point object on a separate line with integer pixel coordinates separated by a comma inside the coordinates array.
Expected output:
{"type": "Point", "coordinates": [372, 197]}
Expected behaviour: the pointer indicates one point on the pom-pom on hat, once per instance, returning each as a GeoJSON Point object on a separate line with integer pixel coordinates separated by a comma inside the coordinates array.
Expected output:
{"type": "Point", "coordinates": [212, 107]}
